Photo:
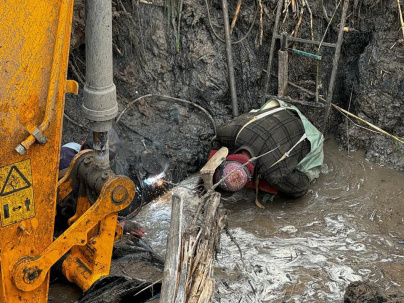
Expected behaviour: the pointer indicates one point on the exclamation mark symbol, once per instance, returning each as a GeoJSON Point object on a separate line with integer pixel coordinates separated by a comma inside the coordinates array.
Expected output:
{"type": "Point", "coordinates": [27, 203]}
{"type": "Point", "coordinates": [6, 211]}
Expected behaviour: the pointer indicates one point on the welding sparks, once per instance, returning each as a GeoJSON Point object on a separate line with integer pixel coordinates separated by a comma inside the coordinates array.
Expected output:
{"type": "Point", "coordinates": [156, 179]}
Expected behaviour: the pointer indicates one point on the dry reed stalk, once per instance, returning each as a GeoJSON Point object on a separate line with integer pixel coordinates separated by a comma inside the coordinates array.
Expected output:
{"type": "Point", "coordinates": [233, 22]}
{"type": "Point", "coordinates": [261, 23]}
{"type": "Point", "coordinates": [299, 22]}
{"type": "Point", "coordinates": [347, 113]}
{"type": "Point", "coordinates": [401, 17]}
{"type": "Point", "coordinates": [311, 19]}
{"type": "Point", "coordinates": [370, 124]}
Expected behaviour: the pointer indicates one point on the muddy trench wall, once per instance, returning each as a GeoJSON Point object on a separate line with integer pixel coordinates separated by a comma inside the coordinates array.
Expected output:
{"type": "Point", "coordinates": [170, 48]}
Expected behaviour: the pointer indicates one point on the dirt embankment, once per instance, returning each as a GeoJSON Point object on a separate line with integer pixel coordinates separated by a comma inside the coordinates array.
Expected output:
{"type": "Point", "coordinates": [171, 49]}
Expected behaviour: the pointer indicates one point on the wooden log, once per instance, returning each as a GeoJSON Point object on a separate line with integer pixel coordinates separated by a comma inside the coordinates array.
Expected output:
{"type": "Point", "coordinates": [190, 279]}
{"type": "Point", "coordinates": [169, 285]}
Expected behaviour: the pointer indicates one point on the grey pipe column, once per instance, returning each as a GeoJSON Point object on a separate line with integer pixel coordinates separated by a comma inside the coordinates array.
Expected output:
{"type": "Point", "coordinates": [100, 105]}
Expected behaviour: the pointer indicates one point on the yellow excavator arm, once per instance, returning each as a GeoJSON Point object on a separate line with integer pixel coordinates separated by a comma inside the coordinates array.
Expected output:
{"type": "Point", "coordinates": [34, 52]}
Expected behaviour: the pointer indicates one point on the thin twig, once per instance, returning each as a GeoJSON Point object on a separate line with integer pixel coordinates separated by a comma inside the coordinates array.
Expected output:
{"type": "Point", "coordinates": [147, 287]}
{"type": "Point", "coordinates": [299, 22]}
{"type": "Point", "coordinates": [311, 19]}
{"type": "Point", "coordinates": [235, 242]}
{"type": "Point", "coordinates": [261, 23]}
{"type": "Point", "coordinates": [328, 26]}
{"type": "Point", "coordinates": [370, 124]}
{"type": "Point", "coordinates": [356, 124]}
{"type": "Point", "coordinates": [401, 17]}
{"type": "Point", "coordinates": [233, 23]}
{"type": "Point", "coordinates": [325, 12]}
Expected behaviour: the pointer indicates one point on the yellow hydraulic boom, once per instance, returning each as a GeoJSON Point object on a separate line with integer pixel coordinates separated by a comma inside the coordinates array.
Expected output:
{"type": "Point", "coordinates": [34, 51]}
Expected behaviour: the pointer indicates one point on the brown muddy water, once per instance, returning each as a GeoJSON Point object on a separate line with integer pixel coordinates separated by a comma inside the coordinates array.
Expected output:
{"type": "Point", "coordinates": [349, 227]}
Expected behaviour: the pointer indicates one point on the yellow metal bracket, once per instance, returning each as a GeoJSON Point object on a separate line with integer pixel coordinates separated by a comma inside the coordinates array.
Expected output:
{"type": "Point", "coordinates": [72, 87]}
{"type": "Point", "coordinates": [116, 194]}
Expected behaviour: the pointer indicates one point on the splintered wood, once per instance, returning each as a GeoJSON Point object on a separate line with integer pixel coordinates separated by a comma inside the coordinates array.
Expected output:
{"type": "Point", "coordinates": [188, 272]}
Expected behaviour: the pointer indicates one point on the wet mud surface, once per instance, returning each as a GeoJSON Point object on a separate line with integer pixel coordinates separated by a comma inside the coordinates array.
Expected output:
{"type": "Point", "coordinates": [63, 291]}
{"type": "Point", "coordinates": [348, 228]}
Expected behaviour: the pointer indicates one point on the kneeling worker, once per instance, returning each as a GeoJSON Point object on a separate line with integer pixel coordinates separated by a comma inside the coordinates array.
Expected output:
{"type": "Point", "coordinates": [285, 149]}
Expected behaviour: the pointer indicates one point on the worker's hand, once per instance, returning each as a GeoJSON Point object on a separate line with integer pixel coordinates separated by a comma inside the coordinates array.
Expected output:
{"type": "Point", "coordinates": [132, 228]}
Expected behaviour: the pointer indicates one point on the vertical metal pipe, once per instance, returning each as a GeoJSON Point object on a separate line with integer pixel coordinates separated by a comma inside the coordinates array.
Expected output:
{"type": "Point", "coordinates": [232, 81]}
{"type": "Point", "coordinates": [100, 105]}
{"type": "Point", "coordinates": [101, 150]}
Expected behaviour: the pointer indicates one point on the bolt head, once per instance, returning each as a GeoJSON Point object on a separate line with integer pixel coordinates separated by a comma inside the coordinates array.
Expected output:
{"type": "Point", "coordinates": [119, 195]}
{"type": "Point", "coordinates": [31, 274]}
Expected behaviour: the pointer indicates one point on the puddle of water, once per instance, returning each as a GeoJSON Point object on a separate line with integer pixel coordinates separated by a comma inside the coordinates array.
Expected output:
{"type": "Point", "coordinates": [347, 228]}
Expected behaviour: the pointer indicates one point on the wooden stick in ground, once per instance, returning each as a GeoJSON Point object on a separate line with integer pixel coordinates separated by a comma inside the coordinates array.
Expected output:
{"type": "Point", "coordinates": [233, 22]}
{"type": "Point", "coordinates": [261, 23]}
{"type": "Point", "coordinates": [401, 17]}
{"type": "Point", "coordinates": [170, 280]}
{"type": "Point", "coordinates": [272, 49]}
{"type": "Point", "coordinates": [335, 64]}
{"type": "Point", "coordinates": [232, 80]}
{"type": "Point", "coordinates": [283, 67]}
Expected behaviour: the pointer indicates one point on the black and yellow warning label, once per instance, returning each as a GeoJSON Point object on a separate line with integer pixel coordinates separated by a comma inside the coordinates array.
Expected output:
{"type": "Point", "coordinates": [16, 193]}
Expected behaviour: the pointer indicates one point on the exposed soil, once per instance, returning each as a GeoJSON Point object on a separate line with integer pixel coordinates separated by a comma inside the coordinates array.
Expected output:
{"type": "Point", "coordinates": [152, 55]}
{"type": "Point", "coordinates": [369, 84]}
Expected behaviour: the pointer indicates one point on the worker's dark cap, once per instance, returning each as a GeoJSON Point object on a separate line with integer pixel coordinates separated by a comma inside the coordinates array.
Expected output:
{"type": "Point", "coordinates": [235, 175]}
{"type": "Point", "coordinates": [113, 141]}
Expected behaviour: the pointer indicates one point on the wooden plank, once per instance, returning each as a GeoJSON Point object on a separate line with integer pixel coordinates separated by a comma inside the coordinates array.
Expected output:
{"type": "Point", "coordinates": [283, 73]}
{"type": "Point", "coordinates": [169, 285]}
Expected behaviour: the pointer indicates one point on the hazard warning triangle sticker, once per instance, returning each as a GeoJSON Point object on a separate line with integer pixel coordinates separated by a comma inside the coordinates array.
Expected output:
{"type": "Point", "coordinates": [15, 182]}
